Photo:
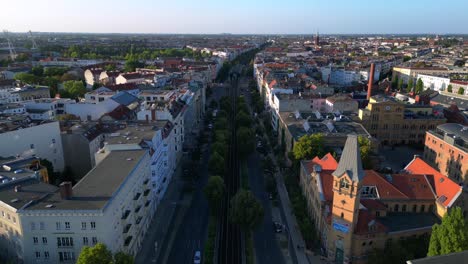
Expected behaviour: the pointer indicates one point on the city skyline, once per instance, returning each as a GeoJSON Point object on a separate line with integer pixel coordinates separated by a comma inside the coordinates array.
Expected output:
{"type": "Point", "coordinates": [261, 17]}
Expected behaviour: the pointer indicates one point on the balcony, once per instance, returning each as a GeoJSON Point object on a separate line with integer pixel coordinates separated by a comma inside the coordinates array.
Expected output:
{"type": "Point", "coordinates": [137, 209]}
{"type": "Point", "coordinates": [146, 182]}
{"type": "Point", "coordinates": [127, 228]}
{"type": "Point", "coordinates": [146, 192]}
{"type": "Point", "coordinates": [147, 203]}
{"type": "Point", "coordinates": [137, 196]}
{"type": "Point", "coordinates": [126, 214]}
{"type": "Point", "coordinates": [138, 221]}
{"type": "Point", "coordinates": [127, 241]}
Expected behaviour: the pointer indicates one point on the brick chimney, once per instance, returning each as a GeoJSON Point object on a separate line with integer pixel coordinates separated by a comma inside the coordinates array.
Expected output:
{"type": "Point", "coordinates": [371, 81]}
{"type": "Point", "coordinates": [66, 191]}
{"type": "Point", "coordinates": [153, 112]}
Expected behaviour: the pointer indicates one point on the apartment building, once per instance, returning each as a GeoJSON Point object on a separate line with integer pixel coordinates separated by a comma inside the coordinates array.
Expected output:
{"type": "Point", "coordinates": [393, 122]}
{"type": "Point", "coordinates": [111, 204]}
{"type": "Point", "coordinates": [405, 73]}
{"type": "Point", "coordinates": [446, 148]}
{"type": "Point", "coordinates": [357, 210]}
{"type": "Point", "coordinates": [24, 140]}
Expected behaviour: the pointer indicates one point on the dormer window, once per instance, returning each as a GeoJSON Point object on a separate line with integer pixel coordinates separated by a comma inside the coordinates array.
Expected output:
{"type": "Point", "coordinates": [344, 184]}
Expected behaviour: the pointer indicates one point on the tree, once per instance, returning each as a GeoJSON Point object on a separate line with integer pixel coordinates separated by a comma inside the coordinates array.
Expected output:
{"type": "Point", "coordinates": [68, 77]}
{"type": "Point", "coordinates": [37, 71]}
{"type": "Point", "coordinates": [451, 235]}
{"type": "Point", "coordinates": [308, 147]}
{"type": "Point", "coordinates": [400, 84]}
{"type": "Point", "coordinates": [395, 82]}
{"type": "Point", "coordinates": [74, 89]}
{"type": "Point", "coordinates": [219, 147]}
{"type": "Point", "coordinates": [406, 58]}
{"type": "Point", "coordinates": [365, 151]}
{"type": "Point", "coordinates": [28, 78]}
{"type": "Point", "coordinates": [243, 119]}
{"type": "Point", "coordinates": [245, 210]}
{"type": "Point", "coordinates": [246, 138]}
{"type": "Point", "coordinates": [461, 91]}
{"type": "Point", "coordinates": [94, 255]}
{"type": "Point", "coordinates": [214, 192]}
{"type": "Point", "coordinates": [419, 86]}
{"type": "Point", "coordinates": [449, 88]}
{"type": "Point", "coordinates": [122, 258]}
{"type": "Point", "coordinates": [216, 164]}
{"type": "Point", "coordinates": [410, 85]}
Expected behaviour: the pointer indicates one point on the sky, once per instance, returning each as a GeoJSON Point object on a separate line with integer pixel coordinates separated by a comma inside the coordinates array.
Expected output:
{"type": "Point", "coordinates": [237, 16]}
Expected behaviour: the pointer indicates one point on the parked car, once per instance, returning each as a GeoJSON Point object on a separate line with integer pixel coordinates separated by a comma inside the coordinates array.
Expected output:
{"type": "Point", "coordinates": [278, 227]}
{"type": "Point", "coordinates": [197, 257]}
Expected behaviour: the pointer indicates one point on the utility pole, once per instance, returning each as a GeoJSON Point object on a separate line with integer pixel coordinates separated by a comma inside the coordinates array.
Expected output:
{"type": "Point", "coordinates": [10, 45]}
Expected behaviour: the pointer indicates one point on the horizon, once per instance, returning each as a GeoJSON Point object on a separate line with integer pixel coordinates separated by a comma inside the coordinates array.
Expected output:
{"type": "Point", "coordinates": [297, 17]}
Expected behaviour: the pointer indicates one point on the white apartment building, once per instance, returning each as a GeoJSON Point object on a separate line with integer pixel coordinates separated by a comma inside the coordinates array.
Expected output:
{"type": "Point", "coordinates": [341, 76]}
{"type": "Point", "coordinates": [111, 205]}
{"type": "Point", "coordinates": [434, 82]}
{"type": "Point", "coordinates": [42, 140]}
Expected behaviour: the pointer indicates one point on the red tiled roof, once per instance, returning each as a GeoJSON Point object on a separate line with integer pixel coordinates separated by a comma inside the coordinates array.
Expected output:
{"type": "Point", "coordinates": [364, 218]}
{"type": "Point", "coordinates": [326, 178]}
{"type": "Point", "coordinates": [446, 190]}
{"type": "Point", "coordinates": [386, 189]}
{"type": "Point", "coordinates": [372, 204]}
{"type": "Point", "coordinates": [327, 162]}
{"type": "Point", "coordinates": [415, 186]}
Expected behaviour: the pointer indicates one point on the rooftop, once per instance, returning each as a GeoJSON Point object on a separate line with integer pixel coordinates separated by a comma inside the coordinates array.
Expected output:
{"type": "Point", "coordinates": [98, 186]}
{"type": "Point", "coordinates": [405, 221]}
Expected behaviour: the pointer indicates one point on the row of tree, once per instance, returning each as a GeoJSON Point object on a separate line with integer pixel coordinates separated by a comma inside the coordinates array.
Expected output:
{"type": "Point", "coordinates": [419, 87]}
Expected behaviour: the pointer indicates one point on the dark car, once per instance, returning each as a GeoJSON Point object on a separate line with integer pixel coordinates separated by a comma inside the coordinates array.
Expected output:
{"type": "Point", "coordinates": [278, 227]}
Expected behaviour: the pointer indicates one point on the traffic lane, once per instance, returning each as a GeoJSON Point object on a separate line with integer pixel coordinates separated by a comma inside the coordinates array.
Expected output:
{"type": "Point", "coordinates": [189, 239]}
{"type": "Point", "coordinates": [267, 249]}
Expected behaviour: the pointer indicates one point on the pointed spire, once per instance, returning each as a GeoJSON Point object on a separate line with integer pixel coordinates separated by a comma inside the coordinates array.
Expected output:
{"type": "Point", "coordinates": [350, 161]}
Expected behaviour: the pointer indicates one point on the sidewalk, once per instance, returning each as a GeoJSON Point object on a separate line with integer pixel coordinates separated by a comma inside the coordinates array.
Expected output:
{"type": "Point", "coordinates": [156, 237]}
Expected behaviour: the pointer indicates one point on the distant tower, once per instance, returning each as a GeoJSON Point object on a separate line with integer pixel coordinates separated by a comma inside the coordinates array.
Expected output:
{"type": "Point", "coordinates": [34, 45]}
{"type": "Point", "coordinates": [317, 40]}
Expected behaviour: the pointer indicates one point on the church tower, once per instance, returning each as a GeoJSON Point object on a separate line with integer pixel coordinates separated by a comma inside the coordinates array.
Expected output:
{"type": "Point", "coordinates": [317, 40]}
{"type": "Point", "coordinates": [347, 180]}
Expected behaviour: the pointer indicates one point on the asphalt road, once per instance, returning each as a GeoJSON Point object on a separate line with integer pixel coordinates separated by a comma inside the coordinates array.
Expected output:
{"type": "Point", "coordinates": [267, 249]}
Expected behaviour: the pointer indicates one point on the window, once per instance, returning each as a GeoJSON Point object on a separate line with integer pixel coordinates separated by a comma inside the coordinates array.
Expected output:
{"type": "Point", "coordinates": [342, 215]}
{"type": "Point", "coordinates": [31, 146]}
{"type": "Point", "coordinates": [344, 184]}
{"type": "Point", "coordinates": [46, 254]}
{"type": "Point", "coordinates": [38, 254]}
{"type": "Point", "coordinates": [94, 239]}
{"type": "Point", "coordinates": [14, 219]}
{"type": "Point", "coordinates": [66, 256]}
{"type": "Point", "coordinates": [67, 225]}
{"type": "Point", "coordinates": [415, 208]}
{"type": "Point", "coordinates": [85, 241]}
{"type": "Point", "coordinates": [35, 240]}
{"type": "Point", "coordinates": [44, 240]}
{"type": "Point", "coordinates": [93, 225]}
{"type": "Point", "coordinates": [41, 226]}
{"type": "Point", "coordinates": [422, 208]}
{"type": "Point", "coordinates": [377, 213]}
{"type": "Point", "coordinates": [53, 140]}
{"type": "Point", "coordinates": [58, 226]}
{"type": "Point", "coordinates": [396, 208]}
{"type": "Point", "coordinates": [403, 208]}
{"type": "Point", "coordinates": [33, 226]}
{"type": "Point", "coordinates": [64, 241]}
{"type": "Point", "coordinates": [83, 225]}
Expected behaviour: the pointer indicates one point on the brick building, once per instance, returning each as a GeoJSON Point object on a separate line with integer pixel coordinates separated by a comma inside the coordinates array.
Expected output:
{"type": "Point", "coordinates": [357, 210]}
{"type": "Point", "coordinates": [446, 148]}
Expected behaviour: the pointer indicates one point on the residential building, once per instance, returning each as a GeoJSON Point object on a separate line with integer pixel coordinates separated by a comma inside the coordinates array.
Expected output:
{"type": "Point", "coordinates": [341, 103]}
{"type": "Point", "coordinates": [446, 149]}
{"type": "Point", "coordinates": [393, 122]}
{"type": "Point", "coordinates": [91, 76]}
{"type": "Point", "coordinates": [405, 73]}
{"type": "Point", "coordinates": [24, 140]}
{"type": "Point", "coordinates": [434, 82]}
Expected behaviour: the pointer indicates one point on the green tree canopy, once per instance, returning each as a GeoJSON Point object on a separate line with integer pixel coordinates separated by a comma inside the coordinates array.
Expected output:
{"type": "Point", "coordinates": [451, 235]}
{"type": "Point", "coordinates": [365, 151]}
{"type": "Point", "coordinates": [395, 82]}
{"type": "Point", "coordinates": [99, 254]}
{"type": "Point", "coordinates": [28, 78]}
{"type": "Point", "coordinates": [245, 210]}
{"type": "Point", "coordinates": [221, 123]}
{"type": "Point", "coordinates": [246, 139]}
{"type": "Point", "coordinates": [219, 147]}
{"type": "Point", "coordinates": [400, 84]}
{"type": "Point", "coordinates": [419, 86]}
{"type": "Point", "coordinates": [74, 89]}
{"type": "Point", "coordinates": [449, 88]}
{"type": "Point", "coordinates": [308, 147]}
{"type": "Point", "coordinates": [214, 192]}
{"type": "Point", "coordinates": [122, 258]}
{"type": "Point", "coordinates": [410, 85]}
{"type": "Point", "coordinates": [243, 119]}
{"type": "Point", "coordinates": [461, 91]}
{"type": "Point", "coordinates": [216, 164]}
{"type": "Point", "coordinates": [38, 71]}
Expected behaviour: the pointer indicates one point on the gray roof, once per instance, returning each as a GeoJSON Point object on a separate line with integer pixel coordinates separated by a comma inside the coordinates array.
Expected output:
{"type": "Point", "coordinates": [99, 185]}
{"type": "Point", "coordinates": [452, 258]}
{"type": "Point", "coordinates": [406, 221]}
{"type": "Point", "coordinates": [455, 129]}
{"type": "Point", "coordinates": [124, 98]}
{"type": "Point", "coordinates": [350, 161]}
{"type": "Point", "coordinates": [31, 189]}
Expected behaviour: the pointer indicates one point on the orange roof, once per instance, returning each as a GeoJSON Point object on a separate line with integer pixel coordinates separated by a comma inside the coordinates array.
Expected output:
{"type": "Point", "coordinates": [446, 190]}
{"type": "Point", "coordinates": [327, 162]}
{"type": "Point", "coordinates": [415, 186]}
{"type": "Point", "coordinates": [386, 189]}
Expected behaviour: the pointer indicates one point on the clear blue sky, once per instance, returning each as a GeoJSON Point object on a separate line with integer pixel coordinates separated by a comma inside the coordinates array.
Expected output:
{"type": "Point", "coordinates": [237, 16]}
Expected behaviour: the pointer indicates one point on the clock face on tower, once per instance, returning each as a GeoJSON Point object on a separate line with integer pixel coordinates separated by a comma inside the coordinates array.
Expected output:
{"type": "Point", "coordinates": [387, 108]}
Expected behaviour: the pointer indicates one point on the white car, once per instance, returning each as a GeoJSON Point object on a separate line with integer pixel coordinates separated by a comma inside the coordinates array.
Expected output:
{"type": "Point", "coordinates": [197, 257]}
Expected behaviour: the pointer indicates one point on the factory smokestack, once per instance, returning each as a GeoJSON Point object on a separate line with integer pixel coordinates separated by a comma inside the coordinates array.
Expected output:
{"type": "Point", "coordinates": [371, 80]}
